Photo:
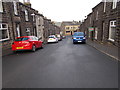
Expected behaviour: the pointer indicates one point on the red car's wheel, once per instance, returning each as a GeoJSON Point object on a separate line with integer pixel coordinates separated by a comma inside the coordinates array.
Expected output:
{"type": "Point", "coordinates": [33, 48]}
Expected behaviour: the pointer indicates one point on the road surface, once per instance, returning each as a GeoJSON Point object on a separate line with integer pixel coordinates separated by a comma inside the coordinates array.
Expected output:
{"type": "Point", "coordinates": [60, 65]}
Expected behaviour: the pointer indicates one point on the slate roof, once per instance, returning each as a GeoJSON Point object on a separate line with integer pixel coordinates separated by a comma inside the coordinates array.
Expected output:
{"type": "Point", "coordinates": [70, 23]}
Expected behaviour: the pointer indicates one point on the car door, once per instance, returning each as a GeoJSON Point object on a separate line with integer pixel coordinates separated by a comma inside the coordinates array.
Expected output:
{"type": "Point", "coordinates": [38, 42]}
{"type": "Point", "coordinates": [34, 41]}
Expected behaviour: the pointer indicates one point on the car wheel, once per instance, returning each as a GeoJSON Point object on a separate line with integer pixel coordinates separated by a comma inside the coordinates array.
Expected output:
{"type": "Point", "coordinates": [33, 48]}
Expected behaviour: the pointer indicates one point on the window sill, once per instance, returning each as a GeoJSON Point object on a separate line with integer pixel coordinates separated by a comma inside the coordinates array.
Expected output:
{"type": "Point", "coordinates": [112, 40]}
{"type": "Point", "coordinates": [16, 15]}
{"type": "Point", "coordinates": [4, 40]}
{"type": "Point", "coordinates": [27, 21]}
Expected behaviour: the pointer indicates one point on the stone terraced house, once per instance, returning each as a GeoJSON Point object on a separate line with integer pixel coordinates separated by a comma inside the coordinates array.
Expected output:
{"type": "Point", "coordinates": [20, 19]}
{"type": "Point", "coordinates": [102, 27]}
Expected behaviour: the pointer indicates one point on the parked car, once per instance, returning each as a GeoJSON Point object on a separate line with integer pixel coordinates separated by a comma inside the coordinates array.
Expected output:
{"type": "Point", "coordinates": [52, 38]}
{"type": "Point", "coordinates": [63, 37]}
{"type": "Point", "coordinates": [79, 37]}
{"type": "Point", "coordinates": [27, 43]}
{"type": "Point", "coordinates": [59, 37]}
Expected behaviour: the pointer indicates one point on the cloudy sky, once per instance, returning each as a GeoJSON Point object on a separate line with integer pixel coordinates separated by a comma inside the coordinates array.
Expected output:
{"type": "Point", "coordinates": [64, 10]}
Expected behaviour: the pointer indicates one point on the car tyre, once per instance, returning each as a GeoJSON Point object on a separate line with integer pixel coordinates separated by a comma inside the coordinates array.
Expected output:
{"type": "Point", "coordinates": [33, 48]}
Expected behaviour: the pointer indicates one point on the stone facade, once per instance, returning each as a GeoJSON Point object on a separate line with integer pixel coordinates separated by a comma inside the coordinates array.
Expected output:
{"type": "Point", "coordinates": [40, 26]}
{"type": "Point", "coordinates": [104, 20]}
{"type": "Point", "coordinates": [50, 28]}
{"type": "Point", "coordinates": [20, 19]}
{"type": "Point", "coordinates": [7, 39]}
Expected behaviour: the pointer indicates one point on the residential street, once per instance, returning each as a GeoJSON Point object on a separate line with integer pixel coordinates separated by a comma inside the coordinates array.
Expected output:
{"type": "Point", "coordinates": [60, 65]}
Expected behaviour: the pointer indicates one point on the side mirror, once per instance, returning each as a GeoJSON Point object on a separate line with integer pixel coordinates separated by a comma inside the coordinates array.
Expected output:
{"type": "Point", "coordinates": [39, 38]}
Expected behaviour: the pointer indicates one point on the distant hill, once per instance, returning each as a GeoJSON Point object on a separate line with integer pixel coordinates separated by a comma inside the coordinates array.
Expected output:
{"type": "Point", "coordinates": [58, 23]}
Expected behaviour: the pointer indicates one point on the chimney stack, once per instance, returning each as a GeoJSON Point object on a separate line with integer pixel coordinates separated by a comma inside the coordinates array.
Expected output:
{"type": "Point", "coordinates": [27, 3]}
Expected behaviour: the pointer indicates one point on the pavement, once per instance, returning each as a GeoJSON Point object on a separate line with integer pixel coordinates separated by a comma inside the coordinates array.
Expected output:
{"type": "Point", "coordinates": [108, 49]}
{"type": "Point", "coordinates": [60, 65]}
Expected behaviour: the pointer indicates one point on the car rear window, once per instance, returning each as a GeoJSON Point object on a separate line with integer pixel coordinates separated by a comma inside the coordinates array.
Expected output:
{"type": "Point", "coordinates": [78, 34]}
{"type": "Point", "coordinates": [21, 39]}
{"type": "Point", "coordinates": [51, 37]}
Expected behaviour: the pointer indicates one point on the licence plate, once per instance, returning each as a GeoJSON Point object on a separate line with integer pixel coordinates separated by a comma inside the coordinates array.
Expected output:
{"type": "Point", "coordinates": [50, 39]}
{"type": "Point", "coordinates": [79, 41]}
{"type": "Point", "coordinates": [19, 47]}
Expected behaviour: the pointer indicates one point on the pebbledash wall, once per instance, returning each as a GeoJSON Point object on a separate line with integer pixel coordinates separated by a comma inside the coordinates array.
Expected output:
{"type": "Point", "coordinates": [105, 36]}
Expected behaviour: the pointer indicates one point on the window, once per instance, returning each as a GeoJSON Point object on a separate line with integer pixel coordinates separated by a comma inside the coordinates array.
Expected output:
{"type": "Point", "coordinates": [22, 39]}
{"type": "Point", "coordinates": [75, 31]}
{"type": "Point", "coordinates": [33, 16]}
{"type": "Point", "coordinates": [15, 8]}
{"type": "Point", "coordinates": [18, 30]}
{"type": "Point", "coordinates": [114, 4]}
{"type": "Point", "coordinates": [97, 15]}
{"type": "Point", "coordinates": [96, 33]}
{"type": "Point", "coordinates": [104, 5]}
{"type": "Point", "coordinates": [4, 35]}
{"type": "Point", "coordinates": [67, 31]}
{"type": "Point", "coordinates": [26, 15]}
{"type": "Point", "coordinates": [28, 31]}
{"type": "Point", "coordinates": [112, 30]}
{"type": "Point", "coordinates": [1, 7]}
{"type": "Point", "coordinates": [67, 28]}
{"type": "Point", "coordinates": [78, 34]}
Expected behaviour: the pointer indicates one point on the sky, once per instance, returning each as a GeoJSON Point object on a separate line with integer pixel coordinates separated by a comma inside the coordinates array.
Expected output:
{"type": "Point", "coordinates": [64, 10]}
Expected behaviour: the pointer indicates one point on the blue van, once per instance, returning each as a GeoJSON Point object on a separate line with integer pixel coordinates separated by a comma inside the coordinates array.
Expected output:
{"type": "Point", "coordinates": [79, 37]}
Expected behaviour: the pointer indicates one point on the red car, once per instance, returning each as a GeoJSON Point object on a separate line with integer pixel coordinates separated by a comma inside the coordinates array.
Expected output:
{"type": "Point", "coordinates": [26, 43]}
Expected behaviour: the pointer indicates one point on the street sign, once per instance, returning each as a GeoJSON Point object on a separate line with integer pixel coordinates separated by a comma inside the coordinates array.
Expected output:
{"type": "Point", "coordinates": [91, 28]}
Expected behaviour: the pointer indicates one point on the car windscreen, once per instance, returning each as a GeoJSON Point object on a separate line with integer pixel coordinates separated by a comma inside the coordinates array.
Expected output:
{"type": "Point", "coordinates": [21, 39]}
{"type": "Point", "coordinates": [78, 34]}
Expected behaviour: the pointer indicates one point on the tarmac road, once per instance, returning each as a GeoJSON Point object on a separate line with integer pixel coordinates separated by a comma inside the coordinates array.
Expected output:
{"type": "Point", "coordinates": [60, 65]}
